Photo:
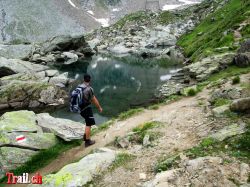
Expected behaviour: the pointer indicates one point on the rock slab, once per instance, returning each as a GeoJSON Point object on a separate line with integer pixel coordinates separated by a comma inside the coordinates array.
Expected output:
{"type": "Point", "coordinates": [63, 128]}
{"type": "Point", "coordinates": [82, 172]}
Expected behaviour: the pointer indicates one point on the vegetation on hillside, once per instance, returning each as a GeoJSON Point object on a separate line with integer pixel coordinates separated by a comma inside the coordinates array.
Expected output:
{"type": "Point", "coordinates": [216, 31]}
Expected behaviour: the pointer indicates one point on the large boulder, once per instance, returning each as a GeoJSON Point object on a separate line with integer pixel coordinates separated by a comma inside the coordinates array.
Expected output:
{"type": "Point", "coordinates": [82, 172]}
{"type": "Point", "coordinates": [24, 94]}
{"type": "Point", "coordinates": [242, 59]}
{"type": "Point", "coordinates": [60, 80]}
{"type": "Point", "coordinates": [20, 139]}
{"type": "Point", "coordinates": [245, 47]}
{"type": "Point", "coordinates": [13, 157]}
{"type": "Point", "coordinates": [240, 105]}
{"type": "Point", "coordinates": [226, 93]}
{"type": "Point", "coordinates": [13, 66]}
{"type": "Point", "coordinates": [70, 58]}
{"type": "Point", "coordinates": [229, 131]}
{"type": "Point", "coordinates": [66, 43]}
{"type": "Point", "coordinates": [19, 121]}
{"type": "Point", "coordinates": [220, 111]}
{"type": "Point", "coordinates": [201, 70]}
{"type": "Point", "coordinates": [169, 88]}
{"type": "Point", "coordinates": [20, 51]}
{"type": "Point", "coordinates": [32, 141]}
{"type": "Point", "coordinates": [66, 129]}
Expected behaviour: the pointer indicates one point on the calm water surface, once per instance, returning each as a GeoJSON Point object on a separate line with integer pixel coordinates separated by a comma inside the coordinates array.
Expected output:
{"type": "Point", "coordinates": [118, 86]}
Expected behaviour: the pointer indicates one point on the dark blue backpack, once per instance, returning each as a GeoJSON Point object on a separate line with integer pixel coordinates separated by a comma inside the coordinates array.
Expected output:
{"type": "Point", "coordinates": [77, 99]}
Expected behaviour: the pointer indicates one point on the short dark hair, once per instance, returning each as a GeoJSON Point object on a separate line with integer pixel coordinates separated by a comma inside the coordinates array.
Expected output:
{"type": "Point", "coordinates": [87, 78]}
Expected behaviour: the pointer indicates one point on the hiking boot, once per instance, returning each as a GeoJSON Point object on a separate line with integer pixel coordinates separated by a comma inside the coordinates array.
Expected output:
{"type": "Point", "coordinates": [89, 142]}
{"type": "Point", "coordinates": [84, 137]}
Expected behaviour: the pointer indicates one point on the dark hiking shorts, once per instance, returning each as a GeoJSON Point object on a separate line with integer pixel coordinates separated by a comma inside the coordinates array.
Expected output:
{"type": "Point", "coordinates": [87, 114]}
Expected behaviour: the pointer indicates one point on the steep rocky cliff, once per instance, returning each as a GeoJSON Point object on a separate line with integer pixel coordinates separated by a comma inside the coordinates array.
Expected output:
{"type": "Point", "coordinates": [32, 20]}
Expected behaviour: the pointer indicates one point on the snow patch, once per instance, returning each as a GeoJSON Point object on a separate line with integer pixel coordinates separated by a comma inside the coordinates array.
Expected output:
{"type": "Point", "coordinates": [171, 7]}
{"type": "Point", "coordinates": [90, 12]}
{"type": "Point", "coordinates": [72, 4]}
{"type": "Point", "coordinates": [165, 77]}
{"type": "Point", "coordinates": [103, 21]}
{"type": "Point", "coordinates": [116, 9]}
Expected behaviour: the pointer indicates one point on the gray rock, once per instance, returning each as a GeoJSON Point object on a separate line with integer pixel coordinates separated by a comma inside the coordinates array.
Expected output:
{"type": "Point", "coordinates": [15, 51]}
{"type": "Point", "coordinates": [12, 157]}
{"type": "Point", "coordinates": [13, 66]}
{"type": "Point", "coordinates": [198, 172]}
{"type": "Point", "coordinates": [240, 105]}
{"type": "Point", "coordinates": [120, 49]}
{"type": "Point", "coordinates": [201, 70]}
{"type": "Point", "coordinates": [245, 47]}
{"type": "Point", "coordinates": [220, 111]}
{"type": "Point", "coordinates": [168, 89]}
{"type": "Point", "coordinates": [70, 58]}
{"type": "Point", "coordinates": [146, 141]}
{"type": "Point", "coordinates": [229, 131]}
{"type": "Point", "coordinates": [40, 75]}
{"type": "Point", "coordinates": [51, 73]}
{"type": "Point", "coordinates": [20, 77]}
{"type": "Point", "coordinates": [47, 96]}
{"type": "Point", "coordinates": [82, 172]}
{"type": "Point", "coordinates": [19, 121]}
{"type": "Point", "coordinates": [242, 59]}
{"type": "Point", "coordinates": [123, 142]}
{"type": "Point", "coordinates": [64, 128]}
{"type": "Point", "coordinates": [17, 26]}
{"type": "Point", "coordinates": [18, 94]}
{"type": "Point", "coordinates": [60, 79]}
{"type": "Point", "coordinates": [226, 93]}
{"type": "Point", "coordinates": [64, 43]}
{"type": "Point", "coordinates": [33, 141]}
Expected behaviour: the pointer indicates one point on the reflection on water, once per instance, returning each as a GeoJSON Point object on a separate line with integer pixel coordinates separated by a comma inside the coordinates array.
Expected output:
{"type": "Point", "coordinates": [118, 86]}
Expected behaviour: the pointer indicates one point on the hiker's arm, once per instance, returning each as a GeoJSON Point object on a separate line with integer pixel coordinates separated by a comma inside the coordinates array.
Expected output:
{"type": "Point", "coordinates": [96, 103]}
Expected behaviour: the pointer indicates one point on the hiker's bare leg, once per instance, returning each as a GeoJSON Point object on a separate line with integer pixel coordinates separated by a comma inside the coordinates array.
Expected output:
{"type": "Point", "coordinates": [87, 132]}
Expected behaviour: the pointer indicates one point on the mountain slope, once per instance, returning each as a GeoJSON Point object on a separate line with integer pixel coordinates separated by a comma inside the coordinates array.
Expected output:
{"type": "Point", "coordinates": [221, 31]}
{"type": "Point", "coordinates": [32, 20]}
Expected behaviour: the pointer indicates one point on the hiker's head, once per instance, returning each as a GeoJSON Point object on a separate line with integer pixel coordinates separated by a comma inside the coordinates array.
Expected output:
{"type": "Point", "coordinates": [87, 78]}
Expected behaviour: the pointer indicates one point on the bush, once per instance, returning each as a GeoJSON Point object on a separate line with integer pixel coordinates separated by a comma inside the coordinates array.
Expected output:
{"type": "Point", "coordinates": [191, 92]}
{"type": "Point", "coordinates": [236, 80]}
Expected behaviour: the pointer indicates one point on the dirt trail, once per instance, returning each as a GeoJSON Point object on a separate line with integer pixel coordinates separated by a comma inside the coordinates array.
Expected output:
{"type": "Point", "coordinates": [186, 122]}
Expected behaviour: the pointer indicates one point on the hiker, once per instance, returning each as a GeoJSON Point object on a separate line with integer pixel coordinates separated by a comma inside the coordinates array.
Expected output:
{"type": "Point", "coordinates": [86, 109]}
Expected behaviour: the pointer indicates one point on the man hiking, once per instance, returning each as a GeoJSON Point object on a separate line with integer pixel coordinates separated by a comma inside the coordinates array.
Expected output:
{"type": "Point", "coordinates": [86, 110]}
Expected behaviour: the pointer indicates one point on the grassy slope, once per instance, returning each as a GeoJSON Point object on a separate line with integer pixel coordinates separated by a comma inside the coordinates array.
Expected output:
{"type": "Point", "coordinates": [211, 34]}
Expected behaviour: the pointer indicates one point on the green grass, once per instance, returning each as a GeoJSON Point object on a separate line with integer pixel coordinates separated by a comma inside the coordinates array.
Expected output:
{"type": "Point", "coordinates": [143, 129]}
{"type": "Point", "coordinates": [137, 16]}
{"type": "Point", "coordinates": [44, 157]}
{"type": "Point", "coordinates": [121, 160]}
{"type": "Point", "coordinates": [226, 18]}
{"type": "Point", "coordinates": [245, 32]}
{"type": "Point", "coordinates": [236, 80]}
{"type": "Point", "coordinates": [167, 163]}
{"type": "Point", "coordinates": [191, 92]}
{"type": "Point", "coordinates": [129, 113]}
{"type": "Point", "coordinates": [221, 101]}
{"type": "Point", "coordinates": [229, 72]}
{"type": "Point", "coordinates": [166, 17]}
{"type": "Point", "coordinates": [237, 146]}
